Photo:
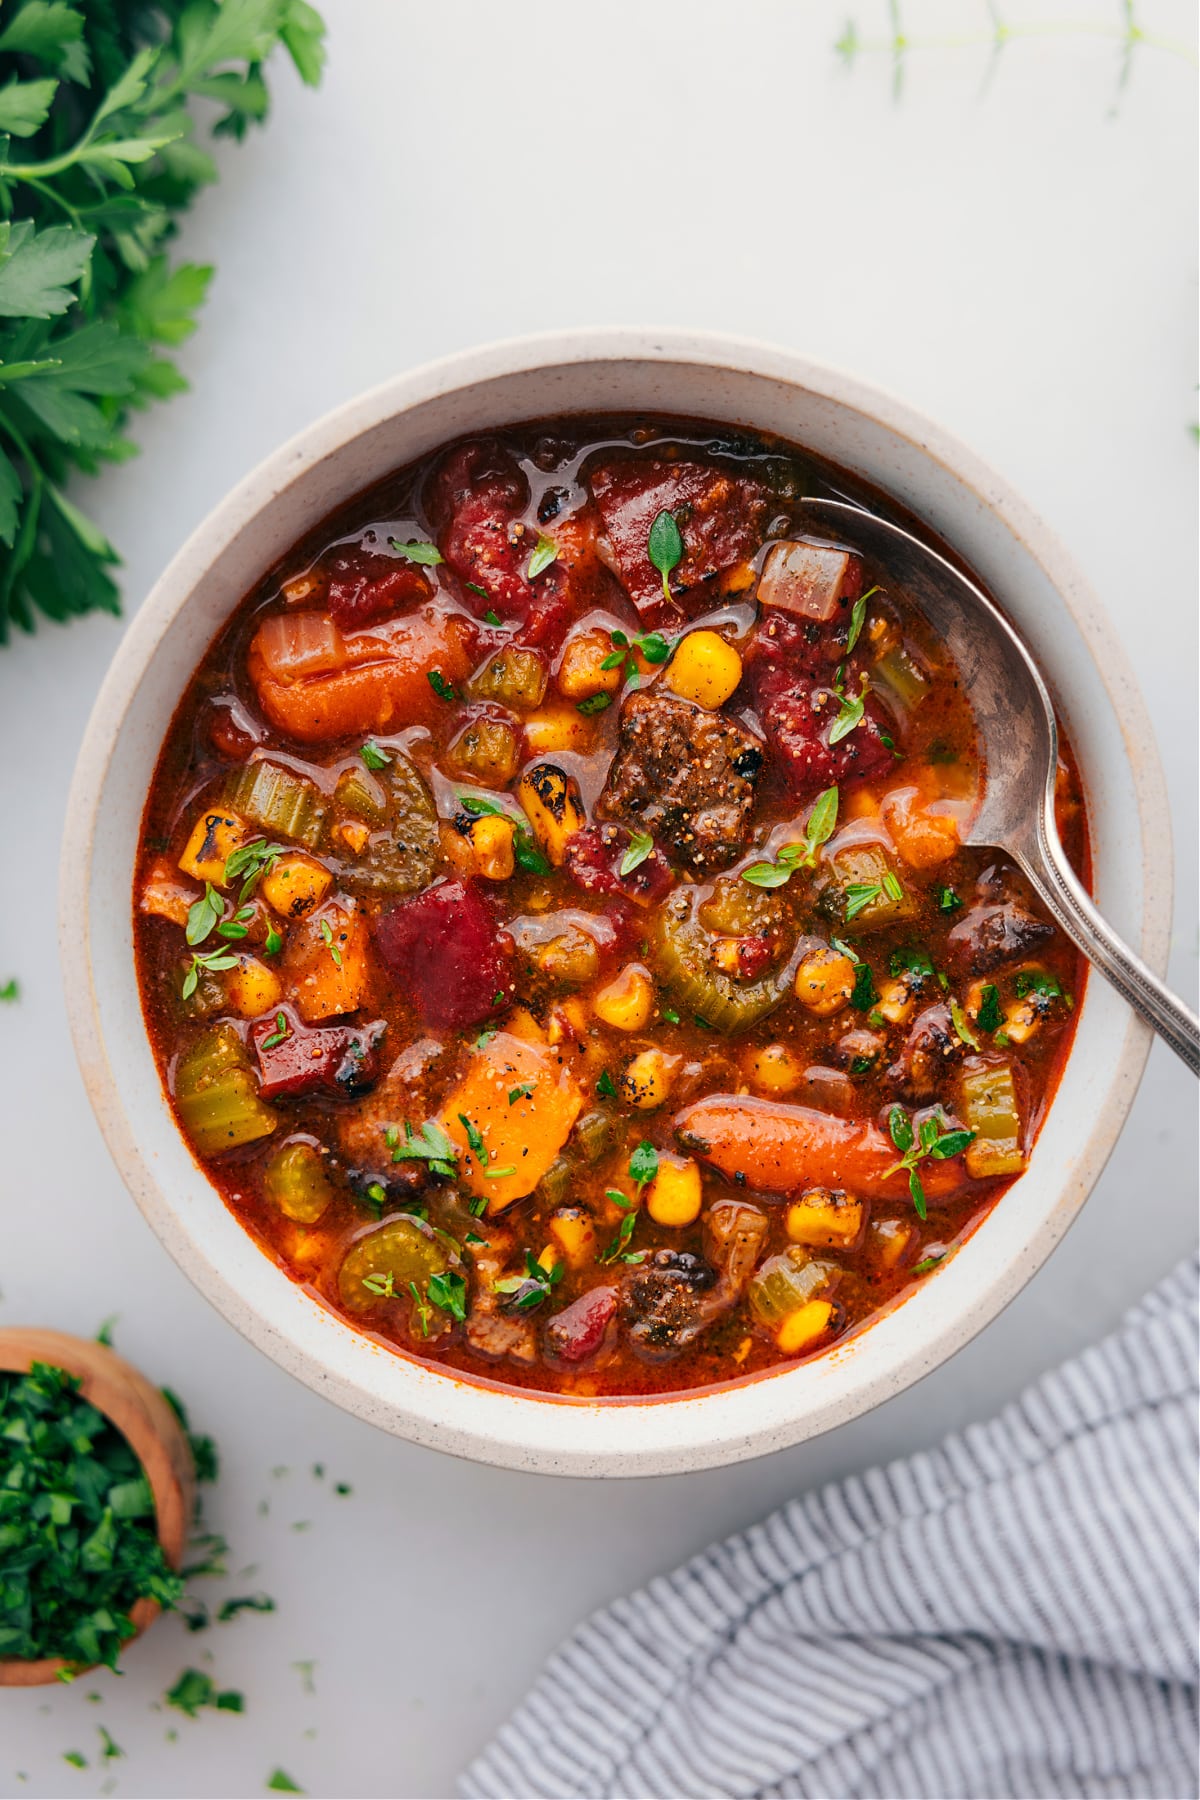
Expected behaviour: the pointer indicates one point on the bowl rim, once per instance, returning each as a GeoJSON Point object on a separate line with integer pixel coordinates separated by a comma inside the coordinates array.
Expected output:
{"type": "Point", "coordinates": [515, 1437]}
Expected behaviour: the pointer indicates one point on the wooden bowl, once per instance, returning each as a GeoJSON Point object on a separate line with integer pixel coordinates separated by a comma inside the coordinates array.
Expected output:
{"type": "Point", "coordinates": [147, 1423]}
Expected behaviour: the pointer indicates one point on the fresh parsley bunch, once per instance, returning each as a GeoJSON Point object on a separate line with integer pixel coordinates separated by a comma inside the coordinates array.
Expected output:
{"type": "Point", "coordinates": [98, 157]}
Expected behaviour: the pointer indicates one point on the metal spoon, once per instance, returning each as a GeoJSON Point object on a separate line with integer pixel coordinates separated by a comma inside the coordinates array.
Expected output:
{"type": "Point", "coordinates": [1020, 739]}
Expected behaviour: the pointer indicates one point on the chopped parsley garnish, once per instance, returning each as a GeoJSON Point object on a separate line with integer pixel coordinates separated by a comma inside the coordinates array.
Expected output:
{"type": "Point", "coordinates": [274, 943]}
{"type": "Point", "coordinates": [491, 616]}
{"type": "Point", "coordinates": [499, 1174]}
{"type": "Point", "coordinates": [430, 1146]}
{"type": "Point", "coordinates": [441, 687]}
{"type": "Point", "coordinates": [474, 1137]}
{"type": "Point", "coordinates": [10, 991]}
{"type": "Point", "coordinates": [521, 1092]}
{"type": "Point", "coordinates": [280, 1782]}
{"type": "Point", "coordinates": [606, 1087]}
{"type": "Point", "coordinates": [892, 887]}
{"type": "Point", "coordinates": [1038, 985]}
{"type": "Point", "coordinates": [930, 1140]}
{"type": "Point", "coordinates": [914, 964]}
{"type": "Point", "coordinates": [373, 756]}
{"type": "Point", "coordinates": [664, 547]}
{"type": "Point", "coordinates": [865, 994]}
{"type": "Point", "coordinates": [671, 1017]}
{"type": "Point", "coordinates": [641, 845]}
{"type": "Point", "coordinates": [990, 1017]}
{"type": "Point", "coordinates": [524, 1292]}
{"type": "Point", "coordinates": [229, 1609]}
{"type": "Point", "coordinates": [449, 1291]}
{"type": "Point", "coordinates": [545, 551]}
{"type": "Point", "coordinates": [928, 1262]}
{"type": "Point", "coordinates": [948, 900]}
{"type": "Point", "coordinates": [77, 1525]}
{"type": "Point", "coordinates": [418, 552]}
{"type": "Point", "coordinates": [817, 831]}
{"type": "Point", "coordinates": [327, 935]}
{"type": "Point", "coordinates": [595, 703]}
{"type": "Point", "coordinates": [195, 1690]}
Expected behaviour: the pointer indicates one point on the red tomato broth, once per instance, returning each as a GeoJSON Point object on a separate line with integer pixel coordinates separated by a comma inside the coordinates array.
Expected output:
{"type": "Point", "coordinates": [584, 933]}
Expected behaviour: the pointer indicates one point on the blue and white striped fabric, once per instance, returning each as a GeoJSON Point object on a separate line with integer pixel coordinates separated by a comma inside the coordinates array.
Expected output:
{"type": "Point", "coordinates": [1012, 1614]}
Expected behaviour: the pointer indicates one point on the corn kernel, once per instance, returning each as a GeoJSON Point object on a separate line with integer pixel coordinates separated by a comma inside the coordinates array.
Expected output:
{"type": "Point", "coordinates": [825, 982]}
{"type": "Point", "coordinates": [646, 1082]}
{"type": "Point", "coordinates": [580, 675]}
{"type": "Point", "coordinates": [551, 802]}
{"type": "Point", "coordinates": [627, 1001]}
{"type": "Point", "coordinates": [571, 958]}
{"type": "Point", "coordinates": [567, 1022]}
{"type": "Point", "coordinates": [252, 988]}
{"type": "Point", "coordinates": [301, 588]}
{"type": "Point", "coordinates": [296, 885]}
{"type": "Point", "coordinates": [675, 1195]}
{"type": "Point", "coordinates": [773, 1069]}
{"type": "Point", "coordinates": [737, 579]}
{"type": "Point", "coordinates": [215, 837]}
{"type": "Point", "coordinates": [705, 668]}
{"type": "Point", "coordinates": [896, 1001]}
{"type": "Point", "coordinates": [803, 1328]}
{"type": "Point", "coordinates": [521, 1023]}
{"type": "Point", "coordinates": [491, 839]}
{"type": "Point", "coordinates": [823, 1218]}
{"type": "Point", "coordinates": [575, 1234]}
{"type": "Point", "coordinates": [558, 728]}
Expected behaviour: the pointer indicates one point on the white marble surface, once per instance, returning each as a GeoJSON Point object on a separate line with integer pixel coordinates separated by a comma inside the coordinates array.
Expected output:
{"type": "Point", "coordinates": [1011, 249]}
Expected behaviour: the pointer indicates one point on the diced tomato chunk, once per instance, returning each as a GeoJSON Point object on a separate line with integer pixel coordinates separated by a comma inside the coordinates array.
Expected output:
{"type": "Point", "coordinates": [445, 951]}
{"type": "Point", "coordinates": [295, 1059]}
{"type": "Point", "coordinates": [721, 517]}
{"type": "Point", "coordinates": [798, 723]}
{"type": "Point", "coordinates": [364, 585]}
{"type": "Point", "coordinates": [579, 1331]}
{"type": "Point", "coordinates": [593, 861]}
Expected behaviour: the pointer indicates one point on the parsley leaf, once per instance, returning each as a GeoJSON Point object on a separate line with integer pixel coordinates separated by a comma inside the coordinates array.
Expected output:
{"type": "Point", "coordinates": [441, 687]}
{"type": "Point", "coordinates": [430, 1146]}
{"type": "Point", "coordinates": [417, 552]}
{"type": "Point", "coordinates": [373, 756]}
{"type": "Point", "coordinates": [851, 710]}
{"type": "Point", "coordinates": [818, 830]}
{"type": "Point", "coordinates": [643, 1164]}
{"type": "Point", "coordinates": [545, 552]}
{"type": "Point", "coordinates": [858, 614]}
{"type": "Point", "coordinates": [930, 1140]}
{"type": "Point", "coordinates": [990, 1017]}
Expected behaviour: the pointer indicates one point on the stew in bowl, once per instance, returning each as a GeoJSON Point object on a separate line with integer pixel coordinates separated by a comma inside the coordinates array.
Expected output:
{"type": "Point", "coordinates": [553, 926]}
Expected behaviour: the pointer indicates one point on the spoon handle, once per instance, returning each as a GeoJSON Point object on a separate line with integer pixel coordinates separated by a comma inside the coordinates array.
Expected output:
{"type": "Point", "coordinates": [1045, 862]}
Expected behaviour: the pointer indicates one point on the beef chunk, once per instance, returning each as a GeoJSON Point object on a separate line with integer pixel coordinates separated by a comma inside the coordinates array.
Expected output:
{"type": "Point", "coordinates": [406, 1092]}
{"type": "Point", "coordinates": [930, 1047]}
{"type": "Point", "coordinates": [686, 776]}
{"type": "Point", "coordinates": [987, 937]}
{"type": "Point", "coordinates": [491, 1330]}
{"type": "Point", "coordinates": [663, 1302]}
{"type": "Point", "coordinates": [721, 518]}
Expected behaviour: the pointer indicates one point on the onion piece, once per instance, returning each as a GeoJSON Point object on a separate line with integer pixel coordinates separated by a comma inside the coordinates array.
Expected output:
{"type": "Point", "coordinates": [808, 579]}
{"type": "Point", "coordinates": [296, 645]}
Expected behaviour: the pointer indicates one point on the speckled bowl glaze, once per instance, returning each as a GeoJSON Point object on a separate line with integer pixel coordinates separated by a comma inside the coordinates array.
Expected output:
{"type": "Point", "coordinates": [718, 378]}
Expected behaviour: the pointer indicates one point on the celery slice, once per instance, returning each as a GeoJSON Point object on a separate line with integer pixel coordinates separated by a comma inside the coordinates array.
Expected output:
{"type": "Point", "coordinates": [295, 1181]}
{"type": "Point", "coordinates": [280, 802]}
{"type": "Point", "coordinates": [990, 1110]}
{"type": "Point", "coordinates": [216, 1094]}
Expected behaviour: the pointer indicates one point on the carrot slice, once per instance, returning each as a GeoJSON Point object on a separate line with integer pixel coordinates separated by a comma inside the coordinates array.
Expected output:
{"type": "Point", "coordinates": [777, 1148]}
{"type": "Point", "coordinates": [376, 681]}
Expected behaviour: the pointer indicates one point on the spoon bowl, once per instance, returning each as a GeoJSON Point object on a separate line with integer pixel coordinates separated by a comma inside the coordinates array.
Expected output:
{"type": "Point", "coordinates": [1015, 716]}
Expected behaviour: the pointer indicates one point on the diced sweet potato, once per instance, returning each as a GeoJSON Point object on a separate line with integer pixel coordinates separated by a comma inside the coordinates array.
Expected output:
{"type": "Point", "coordinates": [520, 1101]}
{"type": "Point", "coordinates": [327, 963]}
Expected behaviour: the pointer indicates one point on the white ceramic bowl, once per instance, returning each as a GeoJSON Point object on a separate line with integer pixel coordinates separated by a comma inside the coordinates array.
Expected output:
{"type": "Point", "coordinates": [671, 372]}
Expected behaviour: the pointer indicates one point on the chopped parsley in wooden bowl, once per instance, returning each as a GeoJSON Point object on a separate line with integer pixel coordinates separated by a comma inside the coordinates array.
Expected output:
{"type": "Point", "coordinates": [96, 1480]}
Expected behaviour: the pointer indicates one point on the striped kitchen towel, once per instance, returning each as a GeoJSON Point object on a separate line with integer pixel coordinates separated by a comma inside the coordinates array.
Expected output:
{"type": "Point", "coordinates": [1012, 1614]}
